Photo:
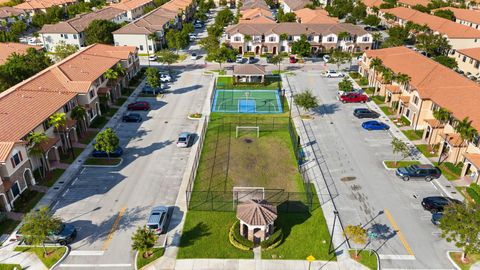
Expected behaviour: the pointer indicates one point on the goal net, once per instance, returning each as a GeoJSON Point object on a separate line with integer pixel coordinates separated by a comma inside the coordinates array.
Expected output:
{"type": "Point", "coordinates": [247, 129]}
{"type": "Point", "coordinates": [243, 194]}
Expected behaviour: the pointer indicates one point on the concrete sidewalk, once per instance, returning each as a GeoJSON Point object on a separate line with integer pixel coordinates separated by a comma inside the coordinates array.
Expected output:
{"type": "Point", "coordinates": [27, 260]}
{"type": "Point", "coordinates": [219, 264]}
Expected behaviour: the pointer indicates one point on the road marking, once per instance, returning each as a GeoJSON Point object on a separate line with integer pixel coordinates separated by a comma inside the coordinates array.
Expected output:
{"type": "Point", "coordinates": [65, 193]}
{"type": "Point", "coordinates": [114, 227]}
{"type": "Point", "coordinates": [86, 253]}
{"type": "Point", "coordinates": [400, 234]}
{"type": "Point", "coordinates": [97, 265]}
{"type": "Point", "coordinates": [74, 181]}
{"type": "Point", "coordinates": [396, 257]}
{"type": "Point", "coordinates": [55, 205]}
{"type": "Point", "coordinates": [82, 170]}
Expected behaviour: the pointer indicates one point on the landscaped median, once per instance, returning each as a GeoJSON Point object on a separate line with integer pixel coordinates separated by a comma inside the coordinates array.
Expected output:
{"type": "Point", "coordinates": [157, 252]}
{"type": "Point", "coordinates": [109, 162]}
{"type": "Point", "coordinates": [54, 254]}
{"type": "Point", "coordinates": [10, 267]}
{"type": "Point", "coordinates": [389, 164]}
{"type": "Point", "coordinates": [366, 257]}
{"type": "Point", "coordinates": [464, 265]}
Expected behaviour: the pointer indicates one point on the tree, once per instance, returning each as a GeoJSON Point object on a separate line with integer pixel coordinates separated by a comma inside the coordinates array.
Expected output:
{"type": "Point", "coordinates": [177, 39]}
{"type": "Point", "coordinates": [167, 57]}
{"type": "Point", "coordinates": [421, 8]}
{"type": "Point", "coordinates": [277, 60]}
{"type": "Point", "coordinates": [445, 13]}
{"type": "Point", "coordinates": [35, 141]}
{"type": "Point", "coordinates": [399, 147]}
{"type": "Point", "coordinates": [107, 141]}
{"type": "Point", "coordinates": [38, 225]}
{"type": "Point", "coordinates": [345, 85]}
{"type": "Point", "coordinates": [62, 50]}
{"type": "Point", "coordinates": [301, 46]}
{"type": "Point", "coordinates": [376, 64]}
{"type": "Point", "coordinates": [286, 17]}
{"type": "Point", "coordinates": [442, 116]}
{"type": "Point", "coordinates": [357, 235]}
{"type": "Point", "coordinates": [18, 27]}
{"type": "Point", "coordinates": [224, 17]}
{"type": "Point", "coordinates": [371, 20]}
{"type": "Point", "coordinates": [100, 31]}
{"type": "Point", "coordinates": [432, 44]}
{"type": "Point", "coordinates": [377, 37]}
{"type": "Point", "coordinates": [340, 8]}
{"type": "Point", "coordinates": [143, 240]}
{"type": "Point", "coordinates": [283, 36]}
{"type": "Point", "coordinates": [79, 114]}
{"type": "Point", "coordinates": [466, 131]}
{"type": "Point", "coordinates": [222, 55]}
{"type": "Point", "coordinates": [339, 57]}
{"type": "Point", "coordinates": [153, 79]}
{"type": "Point", "coordinates": [387, 75]}
{"type": "Point", "coordinates": [359, 11]}
{"type": "Point", "coordinates": [306, 100]}
{"type": "Point", "coordinates": [446, 61]}
{"type": "Point", "coordinates": [460, 224]}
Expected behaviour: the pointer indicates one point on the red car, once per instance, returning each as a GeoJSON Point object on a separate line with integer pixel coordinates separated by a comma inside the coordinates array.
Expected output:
{"type": "Point", "coordinates": [139, 106]}
{"type": "Point", "coordinates": [353, 98]}
{"type": "Point", "coordinates": [293, 60]}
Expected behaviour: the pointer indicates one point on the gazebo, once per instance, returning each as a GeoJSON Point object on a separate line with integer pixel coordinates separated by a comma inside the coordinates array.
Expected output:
{"type": "Point", "coordinates": [249, 73]}
{"type": "Point", "coordinates": [256, 219]}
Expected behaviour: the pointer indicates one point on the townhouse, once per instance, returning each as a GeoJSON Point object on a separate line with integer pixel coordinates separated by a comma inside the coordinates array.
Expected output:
{"type": "Point", "coordinates": [293, 5]}
{"type": "Point", "coordinates": [140, 32]}
{"type": "Point", "coordinates": [253, 4]}
{"type": "Point", "coordinates": [32, 7]}
{"type": "Point", "coordinates": [459, 36]}
{"type": "Point", "coordinates": [468, 17]}
{"type": "Point", "coordinates": [134, 8]}
{"type": "Point", "coordinates": [468, 61]}
{"type": "Point", "coordinates": [9, 15]}
{"type": "Point", "coordinates": [428, 87]}
{"type": "Point", "coordinates": [314, 16]}
{"type": "Point", "coordinates": [26, 107]}
{"type": "Point", "coordinates": [72, 31]}
{"type": "Point", "coordinates": [9, 48]}
{"type": "Point", "coordinates": [265, 38]}
{"type": "Point", "coordinates": [402, 3]}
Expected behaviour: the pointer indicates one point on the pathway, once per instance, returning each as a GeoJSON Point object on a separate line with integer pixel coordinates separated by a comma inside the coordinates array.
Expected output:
{"type": "Point", "coordinates": [27, 260]}
{"type": "Point", "coordinates": [257, 253]}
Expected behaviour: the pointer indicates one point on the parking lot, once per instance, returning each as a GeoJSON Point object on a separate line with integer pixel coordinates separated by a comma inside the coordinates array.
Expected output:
{"type": "Point", "coordinates": [368, 194]}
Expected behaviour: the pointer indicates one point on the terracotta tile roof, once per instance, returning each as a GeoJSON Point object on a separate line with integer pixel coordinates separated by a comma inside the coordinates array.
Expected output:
{"type": "Point", "coordinates": [434, 123]}
{"type": "Point", "coordinates": [295, 29]}
{"type": "Point", "coordinates": [248, 69]}
{"type": "Point", "coordinates": [9, 48]}
{"type": "Point", "coordinates": [394, 89]}
{"type": "Point", "coordinates": [437, 24]}
{"type": "Point", "coordinates": [177, 5]}
{"type": "Point", "coordinates": [434, 81]}
{"type": "Point", "coordinates": [412, 3]}
{"type": "Point", "coordinates": [257, 212]}
{"type": "Point", "coordinates": [51, 142]}
{"type": "Point", "coordinates": [296, 4]}
{"type": "Point", "coordinates": [6, 12]}
{"type": "Point", "coordinates": [150, 23]}
{"type": "Point", "coordinates": [131, 4]}
{"type": "Point", "coordinates": [473, 53]}
{"type": "Point", "coordinates": [258, 20]}
{"type": "Point", "coordinates": [42, 4]}
{"type": "Point", "coordinates": [474, 158]}
{"type": "Point", "coordinates": [372, 3]}
{"type": "Point", "coordinates": [405, 99]}
{"type": "Point", "coordinates": [80, 22]}
{"type": "Point", "coordinates": [255, 12]}
{"type": "Point", "coordinates": [118, 52]}
{"type": "Point", "coordinates": [5, 150]}
{"type": "Point", "coordinates": [306, 15]}
{"type": "Point", "coordinates": [251, 4]}
{"type": "Point", "coordinates": [454, 139]}
{"type": "Point", "coordinates": [468, 15]}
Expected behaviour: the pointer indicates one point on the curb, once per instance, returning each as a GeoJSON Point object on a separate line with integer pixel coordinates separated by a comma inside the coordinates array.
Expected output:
{"type": "Point", "coordinates": [385, 165]}
{"type": "Point", "coordinates": [104, 166]}
{"type": "Point", "coordinates": [136, 256]}
{"type": "Point", "coordinates": [194, 118]}
{"type": "Point", "coordinates": [455, 265]}
{"type": "Point", "coordinates": [62, 258]}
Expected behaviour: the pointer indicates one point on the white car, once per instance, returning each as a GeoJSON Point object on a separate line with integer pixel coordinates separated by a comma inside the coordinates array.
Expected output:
{"type": "Point", "coordinates": [165, 78]}
{"type": "Point", "coordinates": [326, 58]}
{"type": "Point", "coordinates": [184, 139]}
{"type": "Point", "coordinates": [192, 36]}
{"type": "Point", "coordinates": [239, 59]}
{"type": "Point", "coordinates": [198, 25]}
{"type": "Point", "coordinates": [194, 56]}
{"type": "Point", "coordinates": [152, 57]}
{"type": "Point", "coordinates": [333, 74]}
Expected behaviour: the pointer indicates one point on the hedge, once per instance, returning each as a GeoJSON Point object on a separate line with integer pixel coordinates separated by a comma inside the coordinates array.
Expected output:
{"type": "Point", "coordinates": [237, 240]}
{"type": "Point", "coordinates": [363, 81]}
{"type": "Point", "coordinates": [473, 194]}
{"type": "Point", "coordinates": [475, 187]}
{"type": "Point", "coordinates": [274, 240]}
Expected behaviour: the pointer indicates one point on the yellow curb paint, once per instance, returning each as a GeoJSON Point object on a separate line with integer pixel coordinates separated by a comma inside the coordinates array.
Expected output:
{"type": "Point", "coordinates": [114, 227]}
{"type": "Point", "coordinates": [399, 233]}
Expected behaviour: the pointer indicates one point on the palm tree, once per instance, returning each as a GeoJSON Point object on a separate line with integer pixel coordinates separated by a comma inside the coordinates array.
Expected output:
{"type": "Point", "coordinates": [143, 241]}
{"type": "Point", "coordinates": [343, 35]}
{"type": "Point", "coordinates": [79, 113]}
{"type": "Point", "coordinates": [387, 75]}
{"type": "Point", "coordinates": [376, 64]}
{"type": "Point", "coordinates": [35, 140]}
{"type": "Point", "coordinates": [442, 116]}
{"type": "Point", "coordinates": [376, 38]}
{"type": "Point", "coordinates": [402, 79]}
{"type": "Point", "coordinates": [59, 122]}
{"type": "Point", "coordinates": [466, 131]}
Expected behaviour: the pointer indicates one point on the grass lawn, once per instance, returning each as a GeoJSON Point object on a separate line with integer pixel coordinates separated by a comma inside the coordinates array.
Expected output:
{"type": "Point", "coordinates": [99, 122]}
{"type": "Point", "coordinates": [10, 266]}
{"type": "Point", "coordinates": [205, 235]}
{"type": "Point", "coordinates": [413, 135]}
{"type": "Point", "coordinates": [27, 200]}
{"type": "Point", "coordinates": [50, 178]}
{"type": "Point", "coordinates": [227, 82]}
{"type": "Point", "coordinates": [68, 158]}
{"type": "Point", "coordinates": [366, 258]}
{"type": "Point", "coordinates": [111, 111]}
{"type": "Point", "coordinates": [378, 99]}
{"type": "Point", "coordinates": [157, 253]}
{"type": "Point", "coordinates": [457, 257]}
{"type": "Point", "coordinates": [401, 163]}
{"type": "Point", "coordinates": [181, 57]}
{"type": "Point", "coordinates": [304, 234]}
{"type": "Point", "coordinates": [120, 101]}
{"type": "Point", "coordinates": [8, 225]}
{"type": "Point", "coordinates": [425, 149]}
{"type": "Point", "coordinates": [88, 137]}
{"type": "Point", "coordinates": [102, 161]}
{"type": "Point", "coordinates": [54, 254]}
{"type": "Point", "coordinates": [449, 170]}
{"type": "Point", "coordinates": [387, 110]}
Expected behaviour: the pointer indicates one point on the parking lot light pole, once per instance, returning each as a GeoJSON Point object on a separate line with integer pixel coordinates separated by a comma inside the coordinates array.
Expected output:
{"type": "Point", "coordinates": [335, 213]}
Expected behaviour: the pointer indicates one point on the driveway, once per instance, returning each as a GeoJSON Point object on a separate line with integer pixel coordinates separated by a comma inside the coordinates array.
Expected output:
{"type": "Point", "coordinates": [368, 194]}
{"type": "Point", "coordinates": [107, 204]}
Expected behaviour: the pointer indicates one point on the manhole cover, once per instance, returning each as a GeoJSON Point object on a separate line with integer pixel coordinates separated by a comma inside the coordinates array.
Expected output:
{"type": "Point", "coordinates": [56, 188]}
{"type": "Point", "coordinates": [347, 178]}
{"type": "Point", "coordinates": [61, 182]}
{"type": "Point", "coordinates": [248, 140]}
{"type": "Point", "coordinates": [166, 122]}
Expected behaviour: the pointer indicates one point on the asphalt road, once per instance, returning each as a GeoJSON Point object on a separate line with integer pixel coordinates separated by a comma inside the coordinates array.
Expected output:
{"type": "Point", "coordinates": [368, 194]}
{"type": "Point", "coordinates": [107, 204]}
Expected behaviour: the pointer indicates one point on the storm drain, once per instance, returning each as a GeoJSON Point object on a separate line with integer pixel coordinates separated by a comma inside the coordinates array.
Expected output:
{"type": "Point", "coordinates": [347, 178]}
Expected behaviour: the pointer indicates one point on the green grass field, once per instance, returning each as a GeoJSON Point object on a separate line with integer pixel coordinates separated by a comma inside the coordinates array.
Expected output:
{"type": "Point", "coordinates": [402, 163]}
{"type": "Point", "coordinates": [366, 258]}
{"type": "Point", "coordinates": [10, 267]}
{"type": "Point", "coordinates": [157, 253]}
{"type": "Point", "coordinates": [54, 254]}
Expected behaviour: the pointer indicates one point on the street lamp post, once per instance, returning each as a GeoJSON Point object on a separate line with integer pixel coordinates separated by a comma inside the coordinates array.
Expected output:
{"type": "Point", "coordinates": [335, 213]}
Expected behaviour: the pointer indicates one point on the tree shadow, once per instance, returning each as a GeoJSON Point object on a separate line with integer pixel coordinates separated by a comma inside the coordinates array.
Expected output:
{"type": "Point", "coordinates": [291, 214]}
{"type": "Point", "coordinates": [189, 237]}
{"type": "Point", "coordinates": [330, 108]}
{"type": "Point", "coordinates": [185, 89]}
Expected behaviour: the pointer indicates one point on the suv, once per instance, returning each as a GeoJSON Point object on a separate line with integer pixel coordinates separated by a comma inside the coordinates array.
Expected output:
{"type": "Point", "coordinates": [353, 98]}
{"type": "Point", "coordinates": [435, 204]}
{"type": "Point", "coordinates": [157, 221]}
{"type": "Point", "coordinates": [365, 113]}
{"type": "Point", "coordinates": [334, 74]}
{"type": "Point", "coordinates": [428, 172]}
{"type": "Point", "coordinates": [63, 236]}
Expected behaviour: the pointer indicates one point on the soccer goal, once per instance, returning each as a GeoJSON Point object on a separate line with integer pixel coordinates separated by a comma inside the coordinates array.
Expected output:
{"type": "Point", "coordinates": [243, 194]}
{"type": "Point", "coordinates": [239, 128]}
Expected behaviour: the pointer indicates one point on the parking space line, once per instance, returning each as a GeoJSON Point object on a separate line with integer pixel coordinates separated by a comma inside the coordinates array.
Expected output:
{"type": "Point", "coordinates": [65, 193]}
{"type": "Point", "coordinates": [114, 227]}
{"type": "Point", "coordinates": [399, 233]}
{"type": "Point", "coordinates": [396, 257]}
{"type": "Point", "coordinates": [96, 265]}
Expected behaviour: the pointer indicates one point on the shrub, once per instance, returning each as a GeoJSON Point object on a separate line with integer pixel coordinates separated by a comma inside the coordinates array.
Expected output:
{"type": "Point", "coordinates": [473, 194]}
{"type": "Point", "coordinates": [274, 240]}
{"type": "Point", "coordinates": [475, 187]}
{"type": "Point", "coordinates": [237, 240]}
{"type": "Point", "coordinates": [354, 75]}
{"type": "Point", "coordinates": [363, 81]}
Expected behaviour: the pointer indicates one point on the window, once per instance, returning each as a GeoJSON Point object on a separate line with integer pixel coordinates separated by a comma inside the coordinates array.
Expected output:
{"type": "Point", "coordinates": [150, 47]}
{"type": "Point", "coordinates": [271, 39]}
{"type": "Point", "coordinates": [477, 64]}
{"type": "Point", "coordinates": [91, 93]}
{"type": "Point", "coordinates": [16, 159]}
{"type": "Point", "coordinates": [310, 38]}
{"type": "Point", "coordinates": [415, 100]}
{"type": "Point", "coordinates": [66, 36]}
{"type": "Point", "coordinates": [74, 36]}
{"type": "Point", "coordinates": [435, 107]}
{"type": "Point", "coordinates": [330, 39]}
{"type": "Point", "coordinates": [141, 47]}
{"type": "Point", "coordinates": [464, 59]}
{"type": "Point", "coordinates": [237, 39]}
{"type": "Point", "coordinates": [282, 48]}
{"type": "Point", "coordinates": [471, 61]}
{"type": "Point", "coordinates": [15, 190]}
{"type": "Point", "coordinates": [365, 39]}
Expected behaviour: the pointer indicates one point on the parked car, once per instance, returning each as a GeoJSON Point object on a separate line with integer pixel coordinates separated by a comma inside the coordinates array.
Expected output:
{"type": "Point", "coordinates": [239, 59]}
{"type": "Point", "coordinates": [333, 74]}
{"type": "Point", "coordinates": [198, 25]}
{"type": "Point", "coordinates": [381, 28]}
{"type": "Point", "coordinates": [63, 236]}
{"type": "Point", "coordinates": [375, 125]}
{"type": "Point", "coordinates": [165, 77]}
{"type": "Point", "coordinates": [184, 139]}
{"type": "Point", "coordinates": [157, 221]}
{"type": "Point", "coordinates": [152, 57]}
{"type": "Point", "coordinates": [435, 204]}
{"type": "Point", "coordinates": [365, 113]}
{"type": "Point", "coordinates": [370, 28]}
{"type": "Point", "coordinates": [326, 58]}
{"type": "Point", "coordinates": [194, 56]}
{"type": "Point", "coordinates": [102, 154]}
{"type": "Point", "coordinates": [251, 60]}
{"type": "Point", "coordinates": [293, 60]}
{"type": "Point", "coordinates": [132, 117]}
{"type": "Point", "coordinates": [436, 217]}
{"type": "Point", "coordinates": [139, 106]}
{"type": "Point", "coordinates": [192, 36]}
{"type": "Point", "coordinates": [353, 97]}
{"type": "Point", "coordinates": [147, 89]}
{"type": "Point", "coordinates": [428, 172]}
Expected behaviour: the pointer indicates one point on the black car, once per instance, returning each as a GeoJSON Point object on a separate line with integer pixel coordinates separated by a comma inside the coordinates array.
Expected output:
{"type": "Point", "coordinates": [132, 117]}
{"type": "Point", "coordinates": [251, 60]}
{"type": "Point", "coordinates": [63, 236]}
{"type": "Point", "coordinates": [435, 204]}
{"type": "Point", "coordinates": [365, 113]}
{"type": "Point", "coordinates": [428, 172]}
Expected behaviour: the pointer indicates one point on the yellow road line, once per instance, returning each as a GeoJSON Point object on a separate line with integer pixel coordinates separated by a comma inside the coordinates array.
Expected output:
{"type": "Point", "coordinates": [399, 233]}
{"type": "Point", "coordinates": [114, 227]}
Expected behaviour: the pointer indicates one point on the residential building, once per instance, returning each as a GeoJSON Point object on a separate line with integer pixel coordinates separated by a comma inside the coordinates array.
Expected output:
{"type": "Point", "coordinates": [27, 107]}
{"type": "Point", "coordinates": [254, 4]}
{"type": "Point", "coordinates": [9, 48]}
{"type": "Point", "coordinates": [314, 16]}
{"type": "Point", "coordinates": [9, 15]}
{"type": "Point", "coordinates": [430, 86]}
{"type": "Point", "coordinates": [265, 38]}
{"type": "Point", "coordinates": [459, 36]}
{"type": "Point", "coordinates": [32, 7]}
{"type": "Point", "coordinates": [468, 17]}
{"type": "Point", "coordinates": [401, 3]}
{"type": "Point", "coordinates": [134, 8]}
{"type": "Point", "coordinates": [72, 31]}
{"type": "Point", "coordinates": [293, 5]}
{"type": "Point", "coordinates": [468, 60]}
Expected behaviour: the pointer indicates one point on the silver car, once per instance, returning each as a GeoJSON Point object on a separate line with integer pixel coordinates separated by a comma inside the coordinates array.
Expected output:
{"type": "Point", "coordinates": [184, 139]}
{"type": "Point", "coordinates": [157, 221]}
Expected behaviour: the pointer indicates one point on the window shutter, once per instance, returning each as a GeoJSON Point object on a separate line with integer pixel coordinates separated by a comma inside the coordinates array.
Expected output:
{"type": "Point", "coordinates": [13, 162]}
{"type": "Point", "coordinates": [20, 155]}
